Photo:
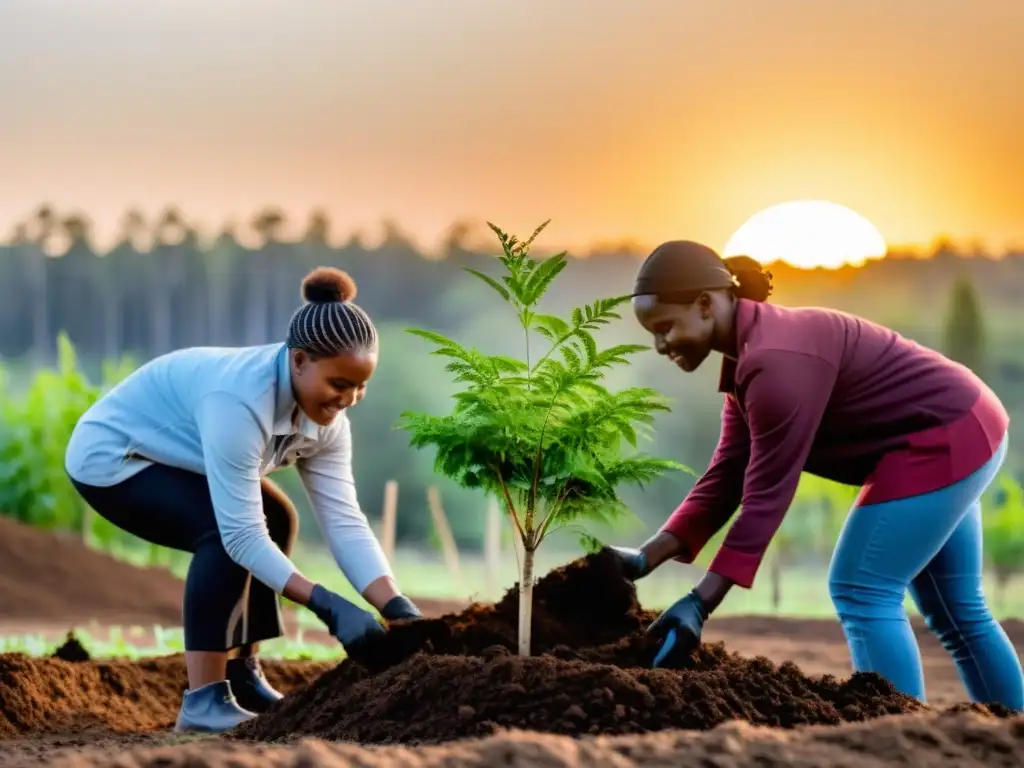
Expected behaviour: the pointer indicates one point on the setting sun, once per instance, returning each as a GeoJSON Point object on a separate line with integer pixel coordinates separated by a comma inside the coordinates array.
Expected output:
{"type": "Point", "coordinates": [808, 233]}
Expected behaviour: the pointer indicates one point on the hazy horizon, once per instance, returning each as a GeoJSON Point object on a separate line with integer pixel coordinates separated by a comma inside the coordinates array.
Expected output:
{"type": "Point", "coordinates": [646, 121]}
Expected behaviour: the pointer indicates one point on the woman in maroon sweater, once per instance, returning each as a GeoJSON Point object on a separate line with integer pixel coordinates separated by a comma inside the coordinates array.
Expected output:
{"type": "Point", "coordinates": [820, 391]}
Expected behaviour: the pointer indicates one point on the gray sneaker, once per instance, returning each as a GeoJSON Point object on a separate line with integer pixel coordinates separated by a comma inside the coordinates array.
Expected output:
{"type": "Point", "coordinates": [211, 709]}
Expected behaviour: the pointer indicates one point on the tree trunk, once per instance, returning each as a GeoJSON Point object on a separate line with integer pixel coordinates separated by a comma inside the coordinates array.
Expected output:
{"type": "Point", "coordinates": [526, 601]}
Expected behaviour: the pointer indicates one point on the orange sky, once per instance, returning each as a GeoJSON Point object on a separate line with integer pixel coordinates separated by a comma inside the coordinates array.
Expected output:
{"type": "Point", "coordinates": [648, 119]}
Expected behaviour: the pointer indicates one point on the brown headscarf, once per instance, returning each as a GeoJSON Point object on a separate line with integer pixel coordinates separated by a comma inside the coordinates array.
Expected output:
{"type": "Point", "coordinates": [680, 270]}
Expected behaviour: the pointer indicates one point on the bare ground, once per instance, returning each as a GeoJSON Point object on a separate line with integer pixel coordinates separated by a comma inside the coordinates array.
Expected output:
{"type": "Point", "coordinates": [119, 713]}
{"type": "Point", "coordinates": [817, 647]}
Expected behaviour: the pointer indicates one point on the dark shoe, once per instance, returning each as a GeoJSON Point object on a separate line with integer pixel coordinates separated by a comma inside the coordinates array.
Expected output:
{"type": "Point", "coordinates": [211, 709]}
{"type": "Point", "coordinates": [250, 686]}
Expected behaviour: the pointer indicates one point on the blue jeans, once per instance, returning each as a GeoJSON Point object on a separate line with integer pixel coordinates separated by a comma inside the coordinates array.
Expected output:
{"type": "Point", "coordinates": [930, 545]}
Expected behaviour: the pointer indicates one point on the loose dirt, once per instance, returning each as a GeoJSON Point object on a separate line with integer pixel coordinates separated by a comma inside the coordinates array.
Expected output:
{"type": "Point", "coordinates": [965, 740]}
{"type": "Point", "coordinates": [71, 650]}
{"type": "Point", "coordinates": [456, 677]}
{"type": "Point", "coordinates": [587, 696]}
{"type": "Point", "coordinates": [49, 581]}
{"type": "Point", "coordinates": [46, 577]}
{"type": "Point", "coordinates": [53, 697]}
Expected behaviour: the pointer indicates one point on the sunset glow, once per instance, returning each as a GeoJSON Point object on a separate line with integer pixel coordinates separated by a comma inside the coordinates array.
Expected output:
{"type": "Point", "coordinates": [653, 125]}
{"type": "Point", "coordinates": [808, 234]}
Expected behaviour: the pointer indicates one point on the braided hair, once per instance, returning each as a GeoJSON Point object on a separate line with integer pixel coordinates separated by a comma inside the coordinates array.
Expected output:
{"type": "Point", "coordinates": [329, 324]}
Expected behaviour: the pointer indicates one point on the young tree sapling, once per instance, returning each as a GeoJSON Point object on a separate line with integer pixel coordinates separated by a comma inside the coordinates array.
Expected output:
{"type": "Point", "coordinates": [541, 433]}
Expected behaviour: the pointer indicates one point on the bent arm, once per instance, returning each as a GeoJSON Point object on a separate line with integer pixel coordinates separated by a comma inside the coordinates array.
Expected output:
{"type": "Point", "coordinates": [327, 476]}
{"type": "Point", "coordinates": [715, 496]}
{"type": "Point", "coordinates": [232, 451]}
{"type": "Point", "coordinates": [786, 397]}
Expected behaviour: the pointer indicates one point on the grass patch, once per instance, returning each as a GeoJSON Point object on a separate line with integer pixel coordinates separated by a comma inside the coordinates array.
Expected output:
{"type": "Point", "coordinates": [139, 642]}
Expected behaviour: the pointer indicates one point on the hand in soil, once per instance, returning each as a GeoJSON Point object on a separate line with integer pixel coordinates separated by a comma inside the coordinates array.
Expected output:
{"type": "Point", "coordinates": [348, 623]}
{"type": "Point", "coordinates": [400, 607]}
{"type": "Point", "coordinates": [678, 630]}
{"type": "Point", "coordinates": [634, 562]}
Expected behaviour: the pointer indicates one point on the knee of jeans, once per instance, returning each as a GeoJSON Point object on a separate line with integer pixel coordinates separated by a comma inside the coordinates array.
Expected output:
{"type": "Point", "coordinates": [853, 600]}
{"type": "Point", "coordinates": [844, 597]}
{"type": "Point", "coordinates": [958, 621]}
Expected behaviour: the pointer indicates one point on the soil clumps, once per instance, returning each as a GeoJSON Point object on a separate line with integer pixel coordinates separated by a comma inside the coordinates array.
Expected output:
{"type": "Point", "coordinates": [71, 650]}
{"type": "Point", "coordinates": [458, 676]}
{"type": "Point", "coordinates": [964, 739]}
{"type": "Point", "coordinates": [52, 696]}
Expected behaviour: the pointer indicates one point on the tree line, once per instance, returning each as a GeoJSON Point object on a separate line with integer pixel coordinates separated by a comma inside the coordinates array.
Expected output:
{"type": "Point", "coordinates": [162, 286]}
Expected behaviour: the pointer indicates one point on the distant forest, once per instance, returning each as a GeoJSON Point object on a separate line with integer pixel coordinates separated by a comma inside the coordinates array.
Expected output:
{"type": "Point", "coordinates": [177, 290]}
{"type": "Point", "coordinates": [162, 287]}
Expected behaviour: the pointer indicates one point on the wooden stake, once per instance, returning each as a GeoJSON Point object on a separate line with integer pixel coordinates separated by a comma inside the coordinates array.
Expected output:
{"type": "Point", "coordinates": [444, 532]}
{"type": "Point", "coordinates": [389, 519]}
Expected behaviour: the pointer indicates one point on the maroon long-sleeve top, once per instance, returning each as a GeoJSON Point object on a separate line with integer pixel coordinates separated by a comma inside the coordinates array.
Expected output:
{"type": "Point", "coordinates": [832, 394]}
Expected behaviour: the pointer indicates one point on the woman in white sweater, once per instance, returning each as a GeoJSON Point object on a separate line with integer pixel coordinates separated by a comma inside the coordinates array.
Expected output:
{"type": "Point", "coordinates": [178, 453]}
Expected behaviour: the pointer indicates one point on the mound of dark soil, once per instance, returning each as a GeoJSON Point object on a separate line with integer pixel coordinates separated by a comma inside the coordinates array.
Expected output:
{"type": "Point", "coordinates": [45, 577]}
{"type": "Point", "coordinates": [52, 696]}
{"type": "Point", "coordinates": [457, 677]}
{"type": "Point", "coordinates": [71, 650]}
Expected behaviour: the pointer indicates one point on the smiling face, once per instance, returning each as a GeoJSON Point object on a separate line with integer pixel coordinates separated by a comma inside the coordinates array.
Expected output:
{"type": "Point", "coordinates": [682, 332]}
{"type": "Point", "coordinates": [325, 386]}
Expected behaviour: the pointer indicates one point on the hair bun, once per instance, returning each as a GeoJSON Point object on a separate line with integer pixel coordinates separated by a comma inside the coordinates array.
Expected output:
{"type": "Point", "coordinates": [737, 264]}
{"type": "Point", "coordinates": [755, 282]}
{"type": "Point", "coordinates": [326, 284]}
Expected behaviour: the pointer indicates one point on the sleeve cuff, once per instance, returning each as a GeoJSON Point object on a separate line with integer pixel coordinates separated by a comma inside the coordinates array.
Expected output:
{"type": "Point", "coordinates": [739, 567]}
{"type": "Point", "coordinates": [686, 524]}
{"type": "Point", "coordinates": [362, 567]}
{"type": "Point", "coordinates": [271, 566]}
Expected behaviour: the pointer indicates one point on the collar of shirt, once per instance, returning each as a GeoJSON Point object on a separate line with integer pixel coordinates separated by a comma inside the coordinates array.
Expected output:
{"type": "Point", "coordinates": [286, 409]}
{"type": "Point", "coordinates": [747, 313]}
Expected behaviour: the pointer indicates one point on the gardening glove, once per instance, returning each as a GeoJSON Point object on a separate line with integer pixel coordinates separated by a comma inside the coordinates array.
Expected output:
{"type": "Point", "coordinates": [349, 624]}
{"type": "Point", "coordinates": [400, 607]}
{"type": "Point", "coordinates": [678, 630]}
{"type": "Point", "coordinates": [634, 562]}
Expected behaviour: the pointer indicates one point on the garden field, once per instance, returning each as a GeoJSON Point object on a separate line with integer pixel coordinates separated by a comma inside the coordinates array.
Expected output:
{"type": "Point", "coordinates": [91, 662]}
{"type": "Point", "coordinates": [450, 690]}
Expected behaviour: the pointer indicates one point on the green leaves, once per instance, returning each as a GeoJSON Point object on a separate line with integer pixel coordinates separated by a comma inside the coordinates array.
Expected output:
{"type": "Point", "coordinates": [35, 427]}
{"type": "Point", "coordinates": [490, 281]}
{"type": "Point", "coordinates": [548, 435]}
{"type": "Point", "coordinates": [1003, 522]}
{"type": "Point", "coordinates": [469, 365]}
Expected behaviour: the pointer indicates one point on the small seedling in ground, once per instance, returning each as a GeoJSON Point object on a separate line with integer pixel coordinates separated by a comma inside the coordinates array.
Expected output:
{"type": "Point", "coordinates": [541, 433]}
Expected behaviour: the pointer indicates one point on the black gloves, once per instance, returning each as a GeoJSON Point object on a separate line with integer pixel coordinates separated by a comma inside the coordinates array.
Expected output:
{"type": "Point", "coordinates": [400, 607]}
{"type": "Point", "coordinates": [678, 629]}
{"type": "Point", "coordinates": [348, 623]}
{"type": "Point", "coordinates": [634, 562]}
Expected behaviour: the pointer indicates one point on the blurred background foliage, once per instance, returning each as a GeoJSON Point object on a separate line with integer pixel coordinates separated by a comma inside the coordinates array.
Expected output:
{"type": "Point", "coordinates": [74, 321]}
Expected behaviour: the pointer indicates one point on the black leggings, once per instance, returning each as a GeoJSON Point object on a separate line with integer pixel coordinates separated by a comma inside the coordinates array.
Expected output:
{"type": "Point", "coordinates": [225, 607]}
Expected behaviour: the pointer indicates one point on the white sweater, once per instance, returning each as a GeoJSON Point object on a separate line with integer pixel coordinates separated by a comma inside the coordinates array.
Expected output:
{"type": "Point", "coordinates": [227, 413]}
